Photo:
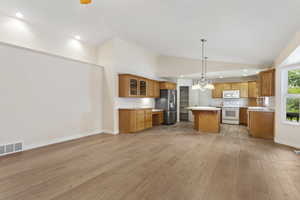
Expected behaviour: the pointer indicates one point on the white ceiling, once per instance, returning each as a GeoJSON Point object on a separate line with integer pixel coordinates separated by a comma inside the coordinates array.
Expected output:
{"type": "Point", "coordinates": [237, 31]}
{"type": "Point", "coordinates": [225, 74]}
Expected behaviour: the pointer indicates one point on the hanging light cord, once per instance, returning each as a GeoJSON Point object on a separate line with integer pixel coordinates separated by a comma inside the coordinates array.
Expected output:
{"type": "Point", "coordinates": [202, 74]}
{"type": "Point", "coordinates": [203, 83]}
{"type": "Point", "coordinates": [205, 68]}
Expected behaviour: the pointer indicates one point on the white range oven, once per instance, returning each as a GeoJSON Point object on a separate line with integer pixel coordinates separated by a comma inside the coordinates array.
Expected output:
{"type": "Point", "coordinates": [231, 115]}
{"type": "Point", "coordinates": [231, 107]}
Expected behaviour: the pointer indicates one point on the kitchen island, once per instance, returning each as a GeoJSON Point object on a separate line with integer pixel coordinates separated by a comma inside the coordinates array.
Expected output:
{"type": "Point", "coordinates": [206, 119]}
{"type": "Point", "coordinates": [261, 122]}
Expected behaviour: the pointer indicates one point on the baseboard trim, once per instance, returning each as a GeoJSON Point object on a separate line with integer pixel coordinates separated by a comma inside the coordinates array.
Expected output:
{"type": "Point", "coordinates": [291, 144]}
{"type": "Point", "coordinates": [111, 132]}
{"type": "Point", "coordinates": [60, 140]}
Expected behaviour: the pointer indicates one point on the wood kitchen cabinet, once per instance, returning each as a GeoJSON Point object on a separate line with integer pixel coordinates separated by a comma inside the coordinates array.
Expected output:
{"type": "Point", "coordinates": [148, 119]}
{"type": "Point", "coordinates": [134, 120]}
{"type": "Point", "coordinates": [235, 86]}
{"type": "Point", "coordinates": [244, 116]}
{"type": "Point", "coordinates": [242, 87]}
{"type": "Point", "coordinates": [218, 91]}
{"type": "Point", "coordinates": [150, 88]}
{"type": "Point", "coordinates": [156, 89]}
{"type": "Point", "coordinates": [157, 118]}
{"type": "Point", "coordinates": [267, 83]}
{"type": "Point", "coordinates": [252, 89]}
{"type": "Point", "coordinates": [261, 124]}
{"type": "Point", "coordinates": [138, 87]}
{"type": "Point", "coordinates": [220, 87]}
{"type": "Point", "coordinates": [143, 92]}
{"type": "Point", "coordinates": [264, 87]}
{"type": "Point", "coordinates": [153, 89]}
{"type": "Point", "coordinates": [140, 120]}
{"type": "Point", "coordinates": [164, 85]}
{"type": "Point", "coordinates": [128, 86]}
{"type": "Point", "coordinates": [244, 90]}
{"type": "Point", "coordinates": [226, 86]}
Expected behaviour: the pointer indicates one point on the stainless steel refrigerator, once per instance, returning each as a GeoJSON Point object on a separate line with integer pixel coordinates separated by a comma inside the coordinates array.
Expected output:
{"type": "Point", "coordinates": [168, 102]}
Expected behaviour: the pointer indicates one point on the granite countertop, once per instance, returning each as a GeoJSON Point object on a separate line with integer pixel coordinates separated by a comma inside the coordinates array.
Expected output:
{"type": "Point", "coordinates": [249, 107]}
{"type": "Point", "coordinates": [204, 108]}
{"type": "Point", "coordinates": [261, 109]}
{"type": "Point", "coordinates": [142, 108]}
{"type": "Point", "coordinates": [157, 110]}
{"type": "Point", "coordinates": [135, 108]}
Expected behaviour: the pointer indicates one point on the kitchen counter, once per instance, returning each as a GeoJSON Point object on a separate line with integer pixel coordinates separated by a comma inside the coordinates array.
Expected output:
{"type": "Point", "coordinates": [252, 108]}
{"type": "Point", "coordinates": [206, 119]}
{"type": "Point", "coordinates": [261, 123]}
{"type": "Point", "coordinates": [260, 109]}
{"type": "Point", "coordinates": [157, 110]}
{"type": "Point", "coordinates": [136, 108]}
{"type": "Point", "coordinates": [143, 108]}
{"type": "Point", "coordinates": [204, 108]}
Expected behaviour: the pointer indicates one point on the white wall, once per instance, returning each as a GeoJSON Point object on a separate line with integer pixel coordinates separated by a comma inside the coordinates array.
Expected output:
{"type": "Point", "coordinates": [120, 56]}
{"type": "Point", "coordinates": [134, 59]}
{"type": "Point", "coordinates": [47, 99]}
{"type": "Point", "coordinates": [284, 133]}
{"type": "Point", "coordinates": [169, 66]}
{"type": "Point", "coordinates": [20, 33]}
{"type": "Point", "coordinates": [285, 57]}
{"type": "Point", "coordinates": [106, 59]}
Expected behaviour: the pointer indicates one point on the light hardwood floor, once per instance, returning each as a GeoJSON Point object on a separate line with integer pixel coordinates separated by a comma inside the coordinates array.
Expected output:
{"type": "Point", "coordinates": [164, 163]}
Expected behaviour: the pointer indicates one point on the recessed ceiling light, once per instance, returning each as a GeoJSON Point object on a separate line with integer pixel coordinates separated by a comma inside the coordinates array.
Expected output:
{"type": "Point", "coordinates": [221, 77]}
{"type": "Point", "coordinates": [19, 15]}
{"type": "Point", "coordinates": [77, 37]}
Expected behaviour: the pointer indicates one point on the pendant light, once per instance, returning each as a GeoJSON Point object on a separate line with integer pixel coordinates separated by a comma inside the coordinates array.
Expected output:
{"type": "Point", "coordinates": [209, 84]}
{"type": "Point", "coordinates": [85, 1]}
{"type": "Point", "coordinates": [203, 83]}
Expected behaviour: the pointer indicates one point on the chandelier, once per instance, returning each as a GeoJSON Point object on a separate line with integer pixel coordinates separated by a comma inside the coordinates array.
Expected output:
{"type": "Point", "coordinates": [203, 83]}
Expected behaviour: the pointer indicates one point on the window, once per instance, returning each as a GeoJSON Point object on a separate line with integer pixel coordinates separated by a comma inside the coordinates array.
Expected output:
{"type": "Point", "coordinates": [291, 94]}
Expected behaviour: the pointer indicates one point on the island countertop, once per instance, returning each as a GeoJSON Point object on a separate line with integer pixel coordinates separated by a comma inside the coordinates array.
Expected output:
{"type": "Point", "coordinates": [205, 108]}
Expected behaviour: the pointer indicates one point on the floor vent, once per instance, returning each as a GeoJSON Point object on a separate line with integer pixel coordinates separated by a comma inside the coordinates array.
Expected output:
{"type": "Point", "coordinates": [10, 148]}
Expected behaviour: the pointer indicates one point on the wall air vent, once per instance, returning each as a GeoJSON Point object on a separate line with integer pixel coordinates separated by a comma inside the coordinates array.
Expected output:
{"type": "Point", "coordinates": [11, 148]}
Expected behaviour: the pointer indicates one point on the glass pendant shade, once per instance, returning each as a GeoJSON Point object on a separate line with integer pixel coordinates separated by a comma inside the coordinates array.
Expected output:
{"type": "Point", "coordinates": [203, 83]}
{"type": "Point", "coordinates": [210, 86]}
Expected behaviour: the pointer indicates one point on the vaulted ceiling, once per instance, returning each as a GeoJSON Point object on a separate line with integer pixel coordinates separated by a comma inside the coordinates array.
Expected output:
{"type": "Point", "coordinates": [240, 31]}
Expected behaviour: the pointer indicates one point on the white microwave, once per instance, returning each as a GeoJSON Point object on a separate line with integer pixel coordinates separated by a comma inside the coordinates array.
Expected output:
{"type": "Point", "coordinates": [231, 94]}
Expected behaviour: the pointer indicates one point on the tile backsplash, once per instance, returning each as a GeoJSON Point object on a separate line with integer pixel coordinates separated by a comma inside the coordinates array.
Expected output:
{"type": "Point", "coordinates": [266, 101]}
{"type": "Point", "coordinates": [135, 102]}
{"type": "Point", "coordinates": [269, 102]}
{"type": "Point", "coordinates": [231, 102]}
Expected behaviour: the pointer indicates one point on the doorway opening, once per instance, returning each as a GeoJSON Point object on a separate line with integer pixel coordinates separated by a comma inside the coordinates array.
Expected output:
{"type": "Point", "coordinates": [184, 102]}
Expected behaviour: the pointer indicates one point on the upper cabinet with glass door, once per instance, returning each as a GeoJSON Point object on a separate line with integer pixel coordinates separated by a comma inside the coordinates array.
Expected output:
{"type": "Point", "coordinates": [143, 87]}
{"type": "Point", "coordinates": [137, 87]}
{"type": "Point", "coordinates": [128, 86]}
